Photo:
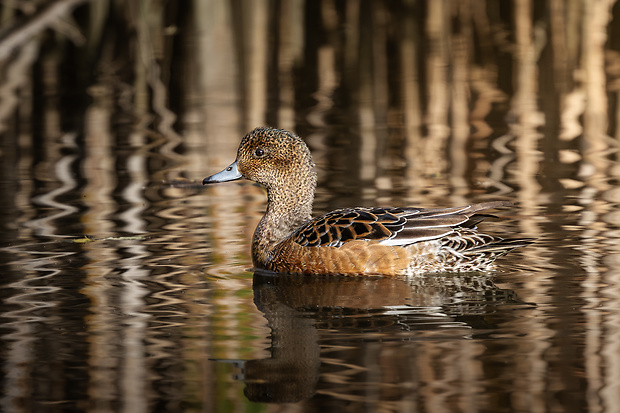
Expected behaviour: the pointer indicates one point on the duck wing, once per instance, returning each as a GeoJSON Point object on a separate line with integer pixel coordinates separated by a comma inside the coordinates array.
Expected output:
{"type": "Point", "coordinates": [389, 226]}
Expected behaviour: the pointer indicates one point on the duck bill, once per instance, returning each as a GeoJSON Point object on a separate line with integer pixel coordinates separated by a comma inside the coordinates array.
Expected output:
{"type": "Point", "coordinates": [231, 173]}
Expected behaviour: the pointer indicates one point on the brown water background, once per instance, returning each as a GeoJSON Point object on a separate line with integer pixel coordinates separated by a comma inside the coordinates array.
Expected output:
{"type": "Point", "coordinates": [127, 286]}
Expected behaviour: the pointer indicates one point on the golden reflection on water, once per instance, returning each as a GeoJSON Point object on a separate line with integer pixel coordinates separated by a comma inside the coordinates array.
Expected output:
{"type": "Point", "coordinates": [126, 285]}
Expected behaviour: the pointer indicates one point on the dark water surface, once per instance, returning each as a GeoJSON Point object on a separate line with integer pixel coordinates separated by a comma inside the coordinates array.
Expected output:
{"type": "Point", "coordinates": [127, 286]}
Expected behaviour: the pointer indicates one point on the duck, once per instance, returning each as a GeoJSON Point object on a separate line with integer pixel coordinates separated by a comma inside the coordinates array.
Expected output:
{"type": "Point", "coordinates": [352, 241]}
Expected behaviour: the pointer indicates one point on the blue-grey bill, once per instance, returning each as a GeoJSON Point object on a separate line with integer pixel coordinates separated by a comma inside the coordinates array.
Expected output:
{"type": "Point", "coordinates": [231, 173]}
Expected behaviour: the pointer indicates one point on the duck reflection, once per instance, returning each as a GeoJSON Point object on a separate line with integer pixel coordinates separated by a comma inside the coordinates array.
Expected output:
{"type": "Point", "coordinates": [311, 314]}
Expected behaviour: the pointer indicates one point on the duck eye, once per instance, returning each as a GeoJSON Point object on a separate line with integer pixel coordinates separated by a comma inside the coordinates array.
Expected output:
{"type": "Point", "coordinates": [259, 153]}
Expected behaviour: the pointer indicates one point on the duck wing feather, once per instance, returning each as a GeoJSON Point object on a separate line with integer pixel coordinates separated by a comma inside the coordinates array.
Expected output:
{"type": "Point", "coordinates": [389, 226]}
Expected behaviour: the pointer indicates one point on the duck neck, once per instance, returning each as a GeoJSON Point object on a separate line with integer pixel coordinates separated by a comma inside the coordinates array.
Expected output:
{"type": "Point", "coordinates": [287, 210]}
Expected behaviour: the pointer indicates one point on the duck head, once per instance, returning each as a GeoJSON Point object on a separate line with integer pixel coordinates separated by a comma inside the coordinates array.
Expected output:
{"type": "Point", "coordinates": [275, 158]}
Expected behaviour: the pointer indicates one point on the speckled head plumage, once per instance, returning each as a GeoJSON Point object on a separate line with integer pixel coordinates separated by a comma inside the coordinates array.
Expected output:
{"type": "Point", "coordinates": [276, 158]}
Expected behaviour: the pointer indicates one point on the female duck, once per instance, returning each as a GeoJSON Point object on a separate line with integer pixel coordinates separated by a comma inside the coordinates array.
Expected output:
{"type": "Point", "coordinates": [363, 241]}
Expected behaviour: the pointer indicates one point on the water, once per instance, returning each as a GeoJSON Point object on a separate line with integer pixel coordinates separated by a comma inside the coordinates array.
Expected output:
{"type": "Point", "coordinates": [127, 286]}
